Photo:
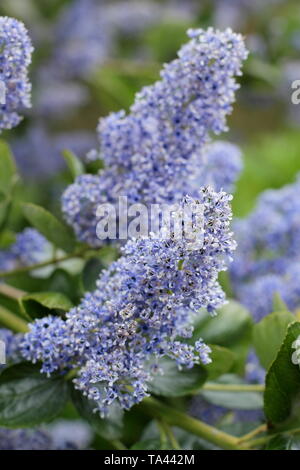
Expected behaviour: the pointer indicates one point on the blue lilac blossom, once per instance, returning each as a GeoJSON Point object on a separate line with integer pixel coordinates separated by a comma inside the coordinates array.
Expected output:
{"type": "Point", "coordinates": [29, 248]}
{"type": "Point", "coordinates": [152, 153]}
{"type": "Point", "coordinates": [267, 260]}
{"type": "Point", "coordinates": [140, 310]}
{"type": "Point", "coordinates": [15, 58]}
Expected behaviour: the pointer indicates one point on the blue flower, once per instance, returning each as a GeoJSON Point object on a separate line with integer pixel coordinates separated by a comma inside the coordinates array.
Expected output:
{"type": "Point", "coordinates": [29, 248]}
{"type": "Point", "coordinates": [152, 154]}
{"type": "Point", "coordinates": [15, 57]}
{"type": "Point", "coordinates": [140, 310]}
{"type": "Point", "coordinates": [267, 260]}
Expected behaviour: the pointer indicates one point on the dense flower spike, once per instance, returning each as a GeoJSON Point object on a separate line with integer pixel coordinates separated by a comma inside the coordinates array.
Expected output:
{"type": "Point", "coordinates": [29, 248]}
{"type": "Point", "coordinates": [152, 153]}
{"type": "Point", "coordinates": [140, 309]}
{"type": "Point", "coordinates": [15, 58]}
{"type": "Point", "coordinates": [267, 260]}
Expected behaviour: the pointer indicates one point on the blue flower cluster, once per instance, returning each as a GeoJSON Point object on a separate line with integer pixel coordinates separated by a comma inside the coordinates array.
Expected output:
{"type": "Point", "coordinates": [152, 154]}
{"type": "Point", "coordinates": [62, 435]}
{"type": "Point", "coordinates": [267, 260]}
{"type": "Point", "coordinates": [29, 248]}
{"type": "Point", "coordinates": [140, 310]}
{"type": "Point", "coordinates": [15, 57]}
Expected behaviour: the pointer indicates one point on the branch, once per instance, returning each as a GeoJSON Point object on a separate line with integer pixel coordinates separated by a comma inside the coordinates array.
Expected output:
{"type": "Point", "coordinates": [233, 387]}
{"type": "Point", "coordinates": [173, 417]}
{"type": "Point", "coordinates": [12, 321]}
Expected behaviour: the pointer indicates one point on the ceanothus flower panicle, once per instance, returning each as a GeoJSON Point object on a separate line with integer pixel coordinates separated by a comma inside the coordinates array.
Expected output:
{"type": "Point", "coordinates": [141, 310]}
{"type": "Point", "coordinates": [267, 260]}
{"type": "Point", "coordinates": [152, 154]}
{"type": "Point", "coordinates": [15, 57]}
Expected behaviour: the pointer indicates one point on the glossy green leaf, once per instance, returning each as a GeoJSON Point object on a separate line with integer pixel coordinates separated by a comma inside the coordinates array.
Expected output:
{"type": "Point", "coordinates": [28, 398]}
{"type": "Point", "coordinates": [233, 399]}
{"type": "Point", "coordinates": [176, 383]}
{"type": "Point", "coordinates": [227, 326]}
{"type": "Point", "coordinates": [49, 226]}
{"type": "Point", "coordinates": [283, 380]}
{"type": "Point", "coordinates": [75, 165]}
{"type": "Point", "coordinates": [91, 272]}
{"type": "Point", "coordinates": [268, 335]}
{"type": "Point", "coordinates": [222, 361]}
{"type": "Point", "coordinates": [110, 427]}
{"type": "Point", "coordinates": [33, 303]}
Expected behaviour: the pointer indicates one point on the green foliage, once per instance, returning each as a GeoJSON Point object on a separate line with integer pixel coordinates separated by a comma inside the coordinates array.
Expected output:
{"type": "Point", "coordinates": [242, 400]}
{"type": "Point", "coordinates": [268, 335]}
{"type": "Point", "coordinates": [177, 383]}
{"type": "Point", "coordinates": [231, 328]}
{"type": "Point", "coordinates": [109, 428]}
{"type": "Point", "coordinates": [222, 361]}
{"type": "Point", "coordinates": [28, 398]}
{"type": "Point", "coordinates": [35, 304]}
{"type": "Point", "coordinates": [75, 165]}
{"type": "Point", "coordinates": [47, 224]}
{"type": "Point", "coordinates": [283, 381]}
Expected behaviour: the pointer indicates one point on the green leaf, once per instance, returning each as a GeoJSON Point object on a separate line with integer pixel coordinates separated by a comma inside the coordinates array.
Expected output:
{"type": "Point", "coordinates": [54, 230]}
{"type": "Point", "coordinates": [283, 381]}
{"type": "Point", "coordinates": [109, 428]}
{"type": "Point", "coordinates": [8, 175]}
{"type": "Point", "coordinates": [91, 272]}
{"type": "Point", "coordinates": [222, 361]}
{"type": "Point", "coordinates": [227, 326]}
{"type": "Point", "coordinates": [268, 335]}
{"type": "Point", "coordinates": [176, 383]}
{"type": "Point", "coordinates": [28, 398]}
{"type": "Point", "coordinates": [75, 165]}
{"type": "Point", "coordinates": [231, 328]}
{"type": "Point", "coordinates": [33, 302]}
{"type": "Point", "coordinates": [233, 400]}
{"type": "Point", "coordinates": [278, 304]}
{"type": "Point", "coordinates": [280, 442]}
